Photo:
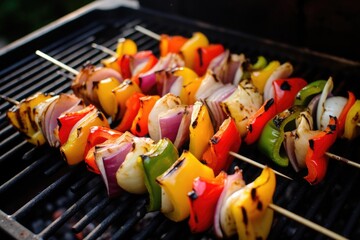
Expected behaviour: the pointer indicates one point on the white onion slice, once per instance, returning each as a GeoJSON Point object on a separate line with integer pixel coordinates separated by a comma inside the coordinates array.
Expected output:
{"type": "Point", "coordinates": [320, 108]}
{"type": "Point", "coordinates": [333, 107]}
{"type": "Point", "coordinates": [283, 71]}
{"type": "Point", "coordinates": [130, 176]}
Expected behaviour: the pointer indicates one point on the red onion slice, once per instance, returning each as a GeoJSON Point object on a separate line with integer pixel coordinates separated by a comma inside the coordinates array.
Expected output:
{"type": "Point", "coordinates": [214, 103]}
{"type": "Point", "coordinates": [233, 183]}
{"type": "Point", "coordinates": [184, 131]}
{"type": "Point", "coordinates": [165, 103]}
{"type": "Point", "coordinates": [169, 122]}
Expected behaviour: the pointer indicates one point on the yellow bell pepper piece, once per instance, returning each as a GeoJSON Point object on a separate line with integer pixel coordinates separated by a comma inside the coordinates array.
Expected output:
{"type": "Point", "coordinates": [122, 92]}
{"type": "Point", "coordinates": [201, 129]}
{"type": "Point", "coordinates": [352, 130]}
{"type": "Point", "coordinates": [188, 49]}
{"type": "Point", "coordinates": [177, 182]}
{"type": "Point", "coordinates": [111, 62]}
{"type": "Point", "coordinates": [191, 83]}
{"type": "Point", "coordinates": [73, 149]}
{"type": "Point", "coordinates": [22, 118]}
{"type": "Point", "coordinates": [126, 47]}
{"type": "Point", "coordinates": [259, 78]}
{"type": "Point", "coordinates": [107, 100]}
{"type": "Point", "coordinates": [250, 209]}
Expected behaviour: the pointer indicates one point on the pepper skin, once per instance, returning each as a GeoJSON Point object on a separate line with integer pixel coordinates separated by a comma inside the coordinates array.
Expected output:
{"type": "Point", "coordinates": [139, 126]}
{"type": "Point", "coordinates": [259, 78]}
{"type": "Point", "coordinates": [286, 91]}
{"type": "Point", "coordinates": [257, 122]}
{"type": "Point", "coordinates": [177, 182]}
{"type": "Point", "coordinates": [203, 199]}
{"type": "Point", "coordinates": [73, 149]}
{"type": "Point", "coordinates": [344, 113]}
{"type": "Point", "coordinates": [351, 129]}
{"type": "Point", "coordinates": [316, 161]}
{"type": "Point", "coordinates": [191, 83]}
{"type": "Point", "coordinates": [201, 129]}
{"type": "Point", "coordinates": [171, 44]}
{"type": "Point", "coordinates": [21, 117]}
{"type": "Point", "coordinates": [132, 108]}
{"type": "Point", "coordinates": [304, 96]}
{"type": "Point", "coordinates": [188, 49]}
{"type": "Point", "coordinates": [123, 92]}
{"type": "Point", "coordinates": [97, 135]}
{"type": "Point", "coordinates": [272, 136]}
{"type": "Point", "coordinates": [107, 100]}
{"type": "Point", "coordinates": [250, 209]}
{"type": "Point", "coordinates": [154, 163]}
{"type": "Point", "coordinates": [67, 121]}
{"type": "Point", "coordinates": [226, 139]}
{"type": "Point", "coordinates": [204, 55]}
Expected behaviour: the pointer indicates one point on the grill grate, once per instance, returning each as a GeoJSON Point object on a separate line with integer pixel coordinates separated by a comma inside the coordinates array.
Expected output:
{"type": "Point", "coordinates": [43, 198]}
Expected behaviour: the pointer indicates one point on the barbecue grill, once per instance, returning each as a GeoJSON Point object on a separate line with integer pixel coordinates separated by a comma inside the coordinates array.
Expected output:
{"type": "Point", "coordinates": [43, 198]}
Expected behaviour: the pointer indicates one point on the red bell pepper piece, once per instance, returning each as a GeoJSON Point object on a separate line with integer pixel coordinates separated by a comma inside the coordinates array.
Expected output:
{"type": "Point", "coordinates": [139, 126]}
{"type": "Point", "coordinates": [125, 66]}
{"type": "Point", "coordinates": [132, 108]}
{"type": "Point", "coordinates": [171, 44]}
{"type": "Point", "coordinates": [285, 92]}
{"type": "Point", "coordinates": [204, 55]}
{"type": "Point", "coordinates": [226, 139]}
{"type": "Point", "coordinates": [257, 121]}
{"type": "Point", "coordinates": [343, 114]}
{"type": "Point", "coordinates": [97, 135]}
{"type": "Point", "coordinates": [68, 120]}
{"type": "Point", "coordinates": [203, 199]}
{"type": "Point", "coordinates": [316, 161]}
{"type": "Point", "coordinates": [141, 63]}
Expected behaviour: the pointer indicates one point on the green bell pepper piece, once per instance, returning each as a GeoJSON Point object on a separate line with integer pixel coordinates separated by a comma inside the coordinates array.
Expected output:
{"type": "Point", "coordinates": [272, 137]}
{"type": "Point", "coordinates": [260, 63]}
{"type": "Point", "coordinates": [154, 163]}
{"type": "Point", "coordinates": [305, 95]}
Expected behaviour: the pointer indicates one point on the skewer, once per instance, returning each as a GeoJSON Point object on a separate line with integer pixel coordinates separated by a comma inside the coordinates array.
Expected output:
{"type": "Point", "coordinates": [305, 222]}
{"type": "Point", "coordinates": [104, 49]}
{"type": "Point", "coordinates": [259, 165]}
{"type": "Point", "coordinates": [10, 100]}
{"type": "Point", "coordinates": [147, 32]}
{"type": "Point", "coordinates": [56, 62]}
{"type": "Point", "coordinates": [342, 159]}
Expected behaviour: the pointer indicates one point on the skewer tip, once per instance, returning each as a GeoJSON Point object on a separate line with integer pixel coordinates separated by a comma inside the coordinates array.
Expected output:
{"type": "Point", "coordinates": [56, 62]}
{"type": "Point", "coordinates": [148, 32]}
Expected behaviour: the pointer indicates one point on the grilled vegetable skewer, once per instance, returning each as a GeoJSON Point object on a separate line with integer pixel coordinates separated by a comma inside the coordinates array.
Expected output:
{"type": "Point", "coordinates": [330, 155]}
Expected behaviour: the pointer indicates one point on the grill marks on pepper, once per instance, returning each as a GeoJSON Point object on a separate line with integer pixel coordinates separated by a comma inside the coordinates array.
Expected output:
{"type": "Point", "coordinates": [285, 86]}
{"type": "Point", "coordinates": [200, 57]}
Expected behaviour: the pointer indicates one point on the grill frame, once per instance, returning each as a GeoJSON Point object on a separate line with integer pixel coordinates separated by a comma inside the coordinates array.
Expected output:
{"type": "Point", "coordinates": [55, 173]}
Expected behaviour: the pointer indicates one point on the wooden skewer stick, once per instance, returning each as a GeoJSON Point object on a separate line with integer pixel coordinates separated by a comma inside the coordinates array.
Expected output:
{"type": "Point", "coordinates": [358, 124]}
{"type": "Point", "coordinates": [305, 222]}
{"type": "Point", "coordinates": [56, 62]}
{"type": "Point", "coordinates": [147, 32]}
{"type": "Point", "coordinates": [104, 49]}
{"type": "Point", "coordinates": [259, 165]}
{"type": "Point", "coordinates": [10, 100]}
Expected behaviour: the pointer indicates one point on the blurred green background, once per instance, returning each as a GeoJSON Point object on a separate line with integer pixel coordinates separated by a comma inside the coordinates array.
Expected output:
{"type": "Point", "coordinates": [20, 17]}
